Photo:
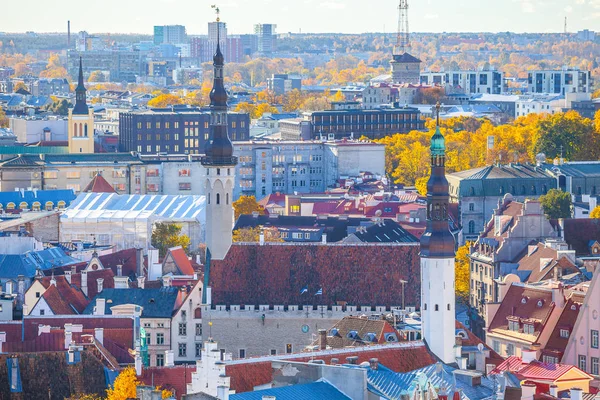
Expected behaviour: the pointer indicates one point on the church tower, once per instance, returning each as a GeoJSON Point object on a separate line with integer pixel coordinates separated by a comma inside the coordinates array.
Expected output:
{"type": "Point", "coordinates": [437, 259]}
{"type": "Point", "coordinates": [220, 169]}
{"type": "Point", "coordinates": [405, 67]}
{"type": "Point", "coordinates": [81, 121]}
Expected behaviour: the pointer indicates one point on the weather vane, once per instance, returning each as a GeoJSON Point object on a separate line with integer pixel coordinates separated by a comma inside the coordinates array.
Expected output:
{"type": "Point", "coordinates": [218, 11]}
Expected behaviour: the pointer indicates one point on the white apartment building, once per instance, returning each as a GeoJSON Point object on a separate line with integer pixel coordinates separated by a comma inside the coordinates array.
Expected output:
{"type": "Point", "coordinates": [467, 82]}
{"type": "Point", "coordinates": [567, 80]}
{"type": "Point", "coordinates": [547, 103]}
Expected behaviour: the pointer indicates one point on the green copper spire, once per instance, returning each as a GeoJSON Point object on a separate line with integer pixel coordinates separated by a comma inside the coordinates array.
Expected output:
{"type": "Point", "coordinates": [438, 143]}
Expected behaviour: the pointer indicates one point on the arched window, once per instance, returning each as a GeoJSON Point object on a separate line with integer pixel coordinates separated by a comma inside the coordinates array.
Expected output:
{"type": "Point", "coordinates": [10, 206]}
{"type": "Point", "coordinates": [23, 205]}
{"type": "Point", "coordinates": [425, 307]}
{"type": "Point", "coordinates": [448, 306]}
{"type": "Point", "coordinates": [579, 190]}
{"type": "Point", "coordinates": [501, 189]}
{"type": "Point", "coordinates": [513, 190]}
{"type": "Point", "coordinates": [36, 206]}
{"type": "Point", "coordinates": [218, 198]}
{"type": "Point", "coordinates": [437, 308]}
{"type": "Point", "coordinates": [523, 190]}
{"type": "Point", "coordinates": [227, 198]}
{"type": "Point", "coordinates": [533, 190]}
{"type": "Point", "coordinates": [85, 130]}
{"type": "Point", "coordinates": [80, 129]}
{"type": "Point", "coordinates": [208, 197]}
{"type": "Point", "coordinates": [75, 130]}
{"type": "Point", "coordinates": [49, 206]}
{"type": "Point", "coordinates": [544, 189]}
{"type": "Point", "coordinates": [198, 313]}
{"type": "Point", "coordinates": [61, 205]}
{"type": "Point", "coordinates": [471, 226]}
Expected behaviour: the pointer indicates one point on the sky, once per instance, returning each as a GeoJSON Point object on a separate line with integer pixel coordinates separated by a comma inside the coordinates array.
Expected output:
{"type": "Point", "coordinates": [339, 16]}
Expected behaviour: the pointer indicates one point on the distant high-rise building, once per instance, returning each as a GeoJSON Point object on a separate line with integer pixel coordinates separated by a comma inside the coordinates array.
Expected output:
{"type": "Point", "coordinates": [267, 40]}
{"type": "Point", "coordinates": [172, 34]}
{"type": "Point", "coordinates": [249, 44]}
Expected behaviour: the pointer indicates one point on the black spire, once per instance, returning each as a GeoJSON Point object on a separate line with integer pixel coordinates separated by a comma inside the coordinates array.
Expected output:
{"type": "Point", "coordinates": [437, 241]}
{"type": "Point", "coordinates": [218, 149]}
{"type": "Point", "coordinates": [81, 107]}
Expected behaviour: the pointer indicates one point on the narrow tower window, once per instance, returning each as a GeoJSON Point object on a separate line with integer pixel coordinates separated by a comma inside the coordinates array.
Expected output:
{"type": "Point", "coordinates": [437, 308]}
{"type": "Point", "coordinates": [227, 198]}
{"type": "Point", "coordinates": [218, 198]}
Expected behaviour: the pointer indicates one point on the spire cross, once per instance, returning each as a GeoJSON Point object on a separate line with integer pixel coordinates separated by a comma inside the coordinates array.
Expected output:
{"type": "Point", "coordinates": [217, 11]}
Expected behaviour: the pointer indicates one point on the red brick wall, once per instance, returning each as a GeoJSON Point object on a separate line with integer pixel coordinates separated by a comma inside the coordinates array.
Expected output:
{"type": "Point", "coordinates": [275, 275]}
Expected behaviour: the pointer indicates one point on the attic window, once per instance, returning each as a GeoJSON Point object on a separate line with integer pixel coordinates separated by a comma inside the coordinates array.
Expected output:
{"type": "Point", "coordinates": [371, 337]}
{"type": "Point", "coordinates": [334, 332]}
{"type": "Point", "coordinates": [540, 303]}
{"type": "Point", "coordinates": [352, 335]}
{"type": "Point", "coordinates": [573, 307]}
{"type": "Point", "coordinates": [524, 300]}
{"type": "Point", "coordinates": [152, 301]}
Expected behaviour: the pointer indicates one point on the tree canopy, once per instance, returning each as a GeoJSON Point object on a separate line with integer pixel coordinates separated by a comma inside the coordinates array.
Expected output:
{"type": "Point", "coordinates": [252, 235]}
{"type": "Point", "coordinates": [461, 269]}
{"type": "Point", "coordinates": [556, 204]}
{"type": "Point", "coordinates": [595, 213]}
{"type": "Point", "coordinates": [247, 205]}
{"type": "Point", "coordinates": [165, 100]}
{"type": "Point", "coordinates": [168, 235]}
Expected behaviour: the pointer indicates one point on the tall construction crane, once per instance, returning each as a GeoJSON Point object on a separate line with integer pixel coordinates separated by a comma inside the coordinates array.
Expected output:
{"type": "Point", "coordinates": [403, 41]}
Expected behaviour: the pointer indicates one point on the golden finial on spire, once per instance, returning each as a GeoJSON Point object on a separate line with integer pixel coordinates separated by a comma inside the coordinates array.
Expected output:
{"type": "Point", "coordinates": [218, 11]}
{"type": "Point", "coordinates": [437, 110]}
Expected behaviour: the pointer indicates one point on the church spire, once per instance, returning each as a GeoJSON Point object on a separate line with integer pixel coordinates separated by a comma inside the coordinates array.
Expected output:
{"type": "Point", "coordinates": [218, 149]}
{"type": "Point", "coordinates": [81, 107]}
{"type": "Point", "coordinates": [437, 241]}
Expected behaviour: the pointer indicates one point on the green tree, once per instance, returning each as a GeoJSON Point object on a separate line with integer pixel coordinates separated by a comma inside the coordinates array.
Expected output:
{"type": "Point", "coordinates": [595, 213]}
{"type": "Point", "coordinates": [247, 205]}
{"type": "Point", "coordinates": [58, 107]}
{"type": "Point", "coordinates": [252, 235]}
{"type": "Point", "coordinates": [166, 235]}
{"type": "Point", "coordinates": [568, 134]}
{"type": "Point", "coordinates": [556, 204]}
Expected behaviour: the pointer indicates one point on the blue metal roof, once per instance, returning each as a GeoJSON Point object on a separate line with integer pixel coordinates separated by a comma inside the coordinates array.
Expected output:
{"type": "Point", "coordinates": [41, 196]}
{"type": "Point", "coordinates": [11, 266]}
{"type": "Point", "coordinates": [156, 303]}
{"type": "Point", "coordinates": [315, 390]}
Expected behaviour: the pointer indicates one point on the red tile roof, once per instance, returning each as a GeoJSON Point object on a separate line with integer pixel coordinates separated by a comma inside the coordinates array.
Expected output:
{"type": "Point", "coordinates": [473, 340]}
{"type": "Point", "coordinates": [524, 303]}
{"type": "Point", "coordinates": [65, 302]}
{"type": "Point", "coordinates": [556, 344]}
{"type": "Point", "coordinates": [92, 281]}
{"type": "Point", "coordinates": [276, 274]}
{"type": "Point", "coordinates": [405, 357]}
{"type": "Point", "coordinates": [535, 371]}
{"type": "Point", "coordinates": [99, 185]}
{"type": "Point", "coordinates": [181, 260]}
{"type": "Point", "coordinates": [533, 260]}
{"type": "Point", "coordinates": [363, 328]}
{"type": "Point", "coordinates": [173, 378]}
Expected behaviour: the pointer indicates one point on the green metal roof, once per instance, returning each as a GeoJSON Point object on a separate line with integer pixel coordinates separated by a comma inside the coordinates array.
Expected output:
{"type": "Point", "coordinates": [34, 150]}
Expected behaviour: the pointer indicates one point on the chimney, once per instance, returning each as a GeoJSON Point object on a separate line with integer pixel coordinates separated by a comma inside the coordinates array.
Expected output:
{"type": "Point", "coordinates": [554, 390]}
{"type": "Point", "coordinates": [558, 295]}
{"type": "Point", "coordinates": [223, 393]}
{"type": "Point", "coordinates": [561, 228]}
{"type": "Point", "coordinates": [73, 270]}
{"type": "Point", "coordinates": [100, 282]}
{"type": "Point", "coordinates": [68, 276]}
{"type": "Point", "coordinates": [169, 358]}
{"type": "Point", "coordinates": [374, 364]}
{"type": "Point", "coordinates": [261, 238]}
{"type": "Point", "coordinates": [334, 361]}
{"type": "Point", "coordinates": [20, 289]}
{"type": "Point", "coordinates": [52, 281]}
{"type": "Point", "coordinates": [527, 391]}
{"type": "Point", "coordinates": [121, 282]}
{"type": "Point", "coordinates": [9, 287]}
{"type": "Point", "coordinates": [84, 282]}
{"type": "Point", "coordinates": [138, 365]}
{"type": "Point", "coordinates": [576, 394]}
{"type": "Point", "coordinates": [99, 335]}
{"type": "Point", "coordinates": [100, 308]}
{"type": "Point", "coordinates": [68, 338]}
{"type": "Point", "coordinates": [119, 270]}
{"type": "Point", "coordinates": [166, 281]}
{"type": "Point", "coordinates": [141, 281]}
{"type": "Point", "coordinates": [139, 258]}
{"type": "Point", "coordinates": [528, 355]}
{"type": "Point", "coordinates": [2, 340]}
{"type": "Point", "coordinates": [324, 238]}
{"type": "Point", "coordinates": [322, 339]}
{"type": "Point", "coordinates": [352, 360]}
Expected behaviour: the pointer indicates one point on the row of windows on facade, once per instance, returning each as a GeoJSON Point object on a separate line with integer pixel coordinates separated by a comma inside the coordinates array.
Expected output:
{"type": "Point", "coordinates": [80, 130]}
{"type": "Point", "coordinates": [35, 206]}
{"type": "Point", "coordinates": [436, 307]}
{"type": "Point", "coordinates": [281, 159]}
{"type": "Point", "coordinates": [522, 191]}
{"type": "Point", "coordinates": [280, 184]}
{"type": "Point", "coordinates": [182, 352]}
{"type": "Point", "coordinates": [167, 125]}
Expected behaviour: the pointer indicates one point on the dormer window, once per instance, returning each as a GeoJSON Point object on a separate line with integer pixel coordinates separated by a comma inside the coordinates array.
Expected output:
{"type": "Point", "coordinates": [352, 335]}
{"type": "Point", "coordinates": [564, 333]}
{"type": "Point", "coordinates": [540, 303]}
{"type": "Point", "coordinates": [528, 329]}
{"type": "Point", "coordinates": [524, 300]}
{"type": "Point", "coordinates": [513, 326]}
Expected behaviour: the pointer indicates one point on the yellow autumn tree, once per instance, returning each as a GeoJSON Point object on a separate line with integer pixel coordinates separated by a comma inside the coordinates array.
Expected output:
{"type": "Point", "coordinates": [461, 270]}
{"type": "Point", "coordinates": [124, 387]}
{"type": "Point", "coordinates": [246, 205]}
{"type": "Point", "coordinates": [595, 213]}
{"type": "Point", "coordinates": [3, 119]}
{"type": "Point", "coordinates": [165, 100]}
{"type": "Point", "coordinates": [54, 68]}
{"type": "Point", "coordinates": [20, 86]}
{"type": "Point", "coordinates": [252, 235]}
{"type": "Point", "coordinates": [96, 76]}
